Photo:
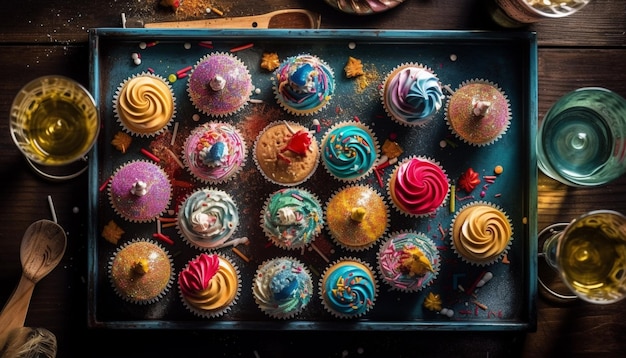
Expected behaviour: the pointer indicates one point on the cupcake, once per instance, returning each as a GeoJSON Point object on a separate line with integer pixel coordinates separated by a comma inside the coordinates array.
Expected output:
{"type": "Point", "coordinates": [286, 153]}
{"type": "Point", "coordinates": [219, 85]}
{"type": "Point", "coordinates": [144, 105]}
{"type": "Point", "coordinates": [140, 191]}
{"type": "Point", "coordinates": [141, 271]}
{"type": "Point", "coordinates": [411, 94]}
{"type": "Point", "coordinates": [481, 233]}
{"type": "Point", "coordinates": [418, 186]}
{"type": "Point", "coordinates": [348, 288]}
{"type": "Point", "coordinates": [349, 151]}
{"type": "Point", "coordinates": [214, 152]}
{"type": "Point", "coordinates": [356, 217]}
{"type": "Point", "coordinates": [303, 84]}
{"type": "Point", "coordinates": [282, 287]}
{"type": "Point", "coordinates": [207, 218]}
{"type": "Point", "coordinates": [292, 218]}
{"type": "Point", "coordinates": [408, 261]}
{"type": "Point", "coordinates": [209, 285]}
{"type": "Point", "coordinates": [478, 113]}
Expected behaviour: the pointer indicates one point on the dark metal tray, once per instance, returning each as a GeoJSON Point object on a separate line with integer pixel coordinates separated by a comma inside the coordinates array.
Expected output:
{"type": "Point", "coordinates": [509, 59]}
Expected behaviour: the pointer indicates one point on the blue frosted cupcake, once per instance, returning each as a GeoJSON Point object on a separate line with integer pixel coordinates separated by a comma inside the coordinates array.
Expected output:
{"type": "Point", "coordinates": [349, 151]}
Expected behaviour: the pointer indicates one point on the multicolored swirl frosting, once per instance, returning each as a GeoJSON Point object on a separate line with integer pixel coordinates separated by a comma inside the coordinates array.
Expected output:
{"type": "Point", "coordinates": [303, 84]}
{"type": "Point", "coordinates": [219, 84]}
{"type": "Point", "coordinates": [412, 94]}
{"type": "Point", "coordinates": [292, 218]}
{"type": "Point", "coordinates": [348, 288]}
{"type": "Point", "coordinates": [144, 104]}
{"type": "Point", "coordinates": [209, 284]}
{"type": "Point", "coordinates": [418, 186]}
{"type": "Point", "coordinates": [480, 233]}
{"type": "Point", "coordinates": [282, 287]}
{"type": "Point", "coordinates": [408, 261]}
{"type": "Point", "coordinates": [214, 152]}
{"type": "Point", "coordinates": [208, 218]}
{"type": "Point", "coordinates": [349, 151]}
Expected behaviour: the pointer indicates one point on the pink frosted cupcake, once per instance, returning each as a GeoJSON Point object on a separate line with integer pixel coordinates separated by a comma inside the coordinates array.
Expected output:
{"type": "Point", "coordinates": [219, 85]}
{"type": "Point", "coordinates": [140, 191]}
{"type": "Point", "coordinates": [214, 152]}
{"type": "Point", "coordinates": [418, 186]}
{"type": "Point", "coordinates": [478, 113]}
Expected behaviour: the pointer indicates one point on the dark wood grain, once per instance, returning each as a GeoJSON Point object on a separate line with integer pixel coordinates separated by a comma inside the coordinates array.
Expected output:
{"type": "Point", "coordinates": [39, 38]}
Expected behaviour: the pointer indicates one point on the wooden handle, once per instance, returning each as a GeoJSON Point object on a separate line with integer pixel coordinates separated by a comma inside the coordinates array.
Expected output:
{"type": "Point", "coordinates": [14, 312]}
{"type": "Point", "coordinates": [312, 20]}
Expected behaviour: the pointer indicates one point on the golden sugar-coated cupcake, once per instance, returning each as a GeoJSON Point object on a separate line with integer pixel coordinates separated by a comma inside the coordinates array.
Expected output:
{"type": "Point", "coordinates": [282, 287]}
{"type": "Point", "coordinates": [208, 218]}
{"type": "Point", "coordinates": [356, 217]}
{"type": "Point", "coordinates": [411, 94]}
{"type": "Point", "coordinates": [141, 271]}
{"type": "Point", "coordinates": [408, 261]}
{"type": "Point", "coordinates": [481, 233]}
{"type": "Point", "coordinates": [214, 152]}
{"type": "Point", "coordinates": [144, 105]}
{"type": "Point", "coordinates": [418, 186]}
{"type": "Point", "coordinates": [219, 85]}
{"type": "Point", "coordinates": [478, 112]}
{"type": "Point", "coordinates": [286, 153]}
{"type": "Point", "coordinates": [292, 218]}
{"type": "Point", "coordinates": [140, 191]}
{"type": "Point", "coordinates": [303, 84]}
{"type": "Point", "coordinates": [209, 285]}
{"type": "Point", "coordinates": [349, 150]}
{"type": "Point", "coordinates": [348, 288]}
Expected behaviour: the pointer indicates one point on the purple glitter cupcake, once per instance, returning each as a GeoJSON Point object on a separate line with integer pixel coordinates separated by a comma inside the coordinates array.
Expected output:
{"type": "Point", "coordinates": [219, 85]}
{"type": "Point", "coordinates": [140, 191]}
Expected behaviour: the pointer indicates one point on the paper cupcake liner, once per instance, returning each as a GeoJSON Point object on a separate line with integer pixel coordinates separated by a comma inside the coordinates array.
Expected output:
{"type": "Point", "coordinates": [356, 290]}
{"type": "Point", "coordinates": [289, 244]}
{"type": "Point", "coordinates": [209, 245]}
{"type": "Point", "coordinates": [222, 310]}
{"type": "Point", "coordinates": [277, 313]}
{"type": "Point", "coordinates": [226, 177]}
{"type": "Point", "coordinates": [272, 178]}
{"type": "Point", "coordinates": [418, 283]}
{"type": "Point", "coordinates": [390, 113]}
{"type": "Point", "coordinates": [135, 300]}
{"type": "Point", "coordinates": [135, 212]}
{"type": "Point", "coordinates": [399, 208]}
{"type": "Point", "coordinates": [464, 136]}
{"type": "Point", "coordinates": [343, 232]}
{"type": "Point", "coordinates": [367, 151]}
{"type": "Point", "coordinates": [302, 112]}
{"type": "Point", "coordinates": [496, 257]}
{"type": "Point", "coordinates": [129, 130]}
{"type": "Point", "coordinates": [232, 100]}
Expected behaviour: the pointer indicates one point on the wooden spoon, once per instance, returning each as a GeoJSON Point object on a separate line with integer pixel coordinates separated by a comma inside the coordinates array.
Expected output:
{"type": "Point", "coordinates": [279, 19]}
{"type": "Point", "coordinates": [42, 248]}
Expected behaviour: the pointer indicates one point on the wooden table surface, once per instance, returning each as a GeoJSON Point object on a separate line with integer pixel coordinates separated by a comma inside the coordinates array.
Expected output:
{"type": "Point", "coordinates": [39, 38]}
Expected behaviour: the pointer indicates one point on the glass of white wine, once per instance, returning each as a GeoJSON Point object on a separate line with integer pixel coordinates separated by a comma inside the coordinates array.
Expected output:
{"type": "Point", "coordinates": [590, 255]}
{"type": "Point", "coordinates": [54, 122]}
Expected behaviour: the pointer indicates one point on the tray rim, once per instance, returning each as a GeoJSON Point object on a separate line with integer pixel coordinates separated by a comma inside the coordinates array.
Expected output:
{"type": "Point", "coordinates": [530, 105]}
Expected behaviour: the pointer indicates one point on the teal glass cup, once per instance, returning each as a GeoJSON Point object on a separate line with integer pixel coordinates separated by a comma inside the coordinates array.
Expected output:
{"type": "Point", "coordinates": [582, 139]}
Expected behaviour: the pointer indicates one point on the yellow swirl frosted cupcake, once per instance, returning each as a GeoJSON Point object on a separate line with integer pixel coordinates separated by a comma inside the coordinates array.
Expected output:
{"type": "Point", "coordinates": [481, 233]}
{"type": "Point", "coordinates": [144, 104]}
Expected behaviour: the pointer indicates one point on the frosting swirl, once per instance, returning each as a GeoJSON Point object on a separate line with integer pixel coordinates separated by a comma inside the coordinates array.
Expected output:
{"type": "Point", "coordinates": [399, 249]}
{"type": "Point", "coordinates": [303, 84]}
{"type": "Point", "coordinates": [209, 283]}
{"type": "Point", "coordinates": [412, 94]}
{"type": "Point", "coordinates": [214, 152]}
{"type": "Point", "coordinates": [145, 104]}
{"type": "Point", "coordinates": [208, 218]}
{"type": "Point", "coordinates": [292, 218]}
{"type": "Point", "coordinates": [481, 232]}
{"type": "Point", "coordinates": [282, 287]}
{"type": "Point", "coordinates": [418, 186]}
{"type": "Point", "coordinates": [348, 289]}
{"type": "Point", "coordinates": [349, 151]}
